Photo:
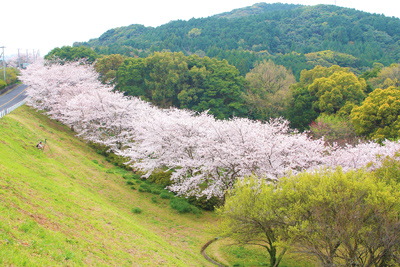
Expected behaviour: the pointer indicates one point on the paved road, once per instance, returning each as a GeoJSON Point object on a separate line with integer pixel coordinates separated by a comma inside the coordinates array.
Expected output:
{"type": "Point", "coordinates": [13, 97]}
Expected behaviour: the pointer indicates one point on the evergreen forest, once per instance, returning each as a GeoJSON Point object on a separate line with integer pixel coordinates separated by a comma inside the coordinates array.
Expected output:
{"type": "Point", "coordinates": [291, 35]}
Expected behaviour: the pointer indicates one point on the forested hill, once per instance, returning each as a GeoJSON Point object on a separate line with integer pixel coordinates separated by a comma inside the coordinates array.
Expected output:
{"type": "Point", "coordinates": [272, 30]}
{"type": "Point", "coordinates": [255, 9]}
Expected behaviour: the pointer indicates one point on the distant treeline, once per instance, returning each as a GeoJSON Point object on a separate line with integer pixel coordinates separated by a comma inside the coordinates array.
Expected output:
{"type": "Point", "coordinates": [285, 33]}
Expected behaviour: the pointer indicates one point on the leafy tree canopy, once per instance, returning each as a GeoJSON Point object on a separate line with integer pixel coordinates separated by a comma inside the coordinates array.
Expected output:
{"type": "Point", "coordinates": [107, 67]}
{"type": "Point", "coordinates": [172, 79]}
{"type": "Point", "coordinates": [386, 77]}
{"type": "Point", "coordinates": [3, 84]}
{"type": "Point", "coordinates": [268, 91]}
{"type": "Point", "coordinates": [338, 218]}
{"type": "Point", "coordinates": [337, 91]}
{"type": "Point", "coordinates": [324, 90]}
{"type": "Point", "coordinates": [328, 58]}
{"type": "Point", "coordinates": [11, 76]}
{"type": "Point", "coordinates": [73, 53]}
{"type": "Point", "coordinates": [379, 115]}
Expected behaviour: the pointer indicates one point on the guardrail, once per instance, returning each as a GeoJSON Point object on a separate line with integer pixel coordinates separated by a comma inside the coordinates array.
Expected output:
{"type": "Point", "coordinates": [10, 109]}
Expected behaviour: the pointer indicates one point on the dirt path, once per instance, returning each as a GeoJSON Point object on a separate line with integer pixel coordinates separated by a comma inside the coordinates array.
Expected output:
{"type": "Point", "coordinates": [203, 252]}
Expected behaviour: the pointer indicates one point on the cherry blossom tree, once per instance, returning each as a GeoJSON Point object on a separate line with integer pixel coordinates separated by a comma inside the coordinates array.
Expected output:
{"type": "Point", "coordinates": [209, 155]}
{"type": "Point", "coordinates": [206, 155]}
{"type": "Point", "coordinates": [364, 155]}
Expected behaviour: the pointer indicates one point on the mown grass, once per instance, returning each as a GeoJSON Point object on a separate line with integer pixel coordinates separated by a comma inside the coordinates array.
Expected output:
{"type": "Point", "coordinates": [67, 206]}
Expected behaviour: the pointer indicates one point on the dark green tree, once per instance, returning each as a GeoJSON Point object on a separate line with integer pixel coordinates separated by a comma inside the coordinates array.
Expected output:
{"type": "Point", "coordinates": [73, 53]}
{"type": "Point", "coordinates": [131, 75]}
{"type": "Point", "coordinates": [172, 79]}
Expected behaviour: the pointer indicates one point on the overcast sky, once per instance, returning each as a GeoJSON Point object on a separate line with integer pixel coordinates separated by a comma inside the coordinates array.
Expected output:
{"type": "Point", "coordinates": [45, 24]}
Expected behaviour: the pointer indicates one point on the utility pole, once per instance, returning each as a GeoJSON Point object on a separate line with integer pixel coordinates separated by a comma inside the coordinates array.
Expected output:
{"type": "Point", "coordinates": [4, 63]}
{"type": "Point", "coordinates": [19, 60]}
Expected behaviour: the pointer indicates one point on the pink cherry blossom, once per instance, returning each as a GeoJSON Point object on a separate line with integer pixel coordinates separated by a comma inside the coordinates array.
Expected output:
{"type": "Point", "coordinates": [206, 155]}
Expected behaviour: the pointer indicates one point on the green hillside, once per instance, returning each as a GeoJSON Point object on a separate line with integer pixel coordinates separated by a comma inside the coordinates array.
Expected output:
{"type": "Point", "coordinates": [265, 30]}
{"type": "Point", "coordinates": [67, 206]}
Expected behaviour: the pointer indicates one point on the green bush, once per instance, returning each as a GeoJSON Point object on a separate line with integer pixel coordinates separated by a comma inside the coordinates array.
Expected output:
{"type": "Point", "coordinates": [196, 210]}
{"type": "Point", "coordinates": [155, 191]}
{"type": "Point", "coordinates": [154, 199]}
{"type": "Point", "coordinates": [3, 84]}
{"type": "Point", "coordinates": [144, 188]}
{"type": "Point", "coordinates": [333, 129]}
{"type": "Point", "coordinates": [205, 204]}
{"type": "Point", "coordinates": [131, 176]}
{"type": "Point", "coordinates": [137, 210]}
{"type": "Point", "coordinates": [166, 195]}
{"type": "Point", "coordinates": [161, 177]}
{"type": "Point", "coordinates": [129, 182]}
{"type": "Point", "coordinates": [389, 172]}
{"type": "Point", "coordinates": [136, 176]}
{"type": "Point", "coordinates": [181, 205]}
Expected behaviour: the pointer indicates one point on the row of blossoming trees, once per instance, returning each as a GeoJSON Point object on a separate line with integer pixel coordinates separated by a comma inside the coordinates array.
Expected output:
{"type": "Point", "coordinates": [206, 155]}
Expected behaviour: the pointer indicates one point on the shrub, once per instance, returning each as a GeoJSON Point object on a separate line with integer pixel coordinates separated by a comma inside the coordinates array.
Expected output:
{"type": "Point", "coordinates": [166, 195]}
{"type": "Point", "coordinates": [3, 84]}
{"type": "Point", "coordinates": [154, 199]}
{"type": "Point", "coordinates": [137, 210]}
{"type": "Point", "coordinates": [155, 191]}
{"type": "Point", "coordinates": [181, 205]}
{"type": "Point", "coordinates": [161, 177]}
{"type": "Point", "coordinates": [136, 176]}
{"type": "Point", "coordinates": [333, 129]}
{"type": "Point", "coordinates": [144, 188]}
{"type": "Point", "coordinates": [204, 203]}
{"type": "Point", "coordinates": [195, 210]}
{"type": "Point", "coordinates": [389, 172]}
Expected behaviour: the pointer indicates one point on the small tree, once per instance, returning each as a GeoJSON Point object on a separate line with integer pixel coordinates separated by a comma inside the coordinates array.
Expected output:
{"type": "Point", "coordinates": [334, 129]}
{"type": "Point", "coordinates": [342, 219]}
{"type": "Point", "coordinates": [252, 215]}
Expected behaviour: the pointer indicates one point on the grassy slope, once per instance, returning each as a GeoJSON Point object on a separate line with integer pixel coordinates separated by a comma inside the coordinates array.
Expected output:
{"type": "Point", "coordinates": [66, 206]}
